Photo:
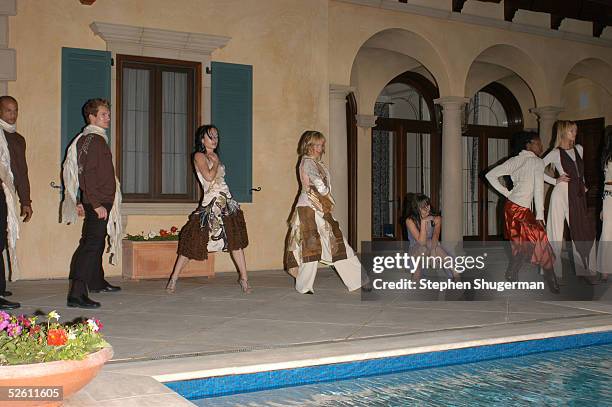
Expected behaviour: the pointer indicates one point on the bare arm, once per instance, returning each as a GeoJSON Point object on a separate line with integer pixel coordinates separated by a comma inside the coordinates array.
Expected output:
{"type": "Point", "coordinates": [201, 162]}
{"type": "Point", "coordinates": [419, 235]}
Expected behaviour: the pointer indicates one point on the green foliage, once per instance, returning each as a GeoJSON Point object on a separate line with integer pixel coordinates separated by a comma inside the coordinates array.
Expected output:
{"type": "Point", "coordinates": [25, 341]}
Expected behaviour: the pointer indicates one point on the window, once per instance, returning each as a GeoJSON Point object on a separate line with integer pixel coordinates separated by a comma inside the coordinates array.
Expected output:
{"type": "Point", "coordinates": [486, 110]}
{"type": "Point", "coordinates": [158, 112]}
{"type": "Point", "coordinates": [404, 144]}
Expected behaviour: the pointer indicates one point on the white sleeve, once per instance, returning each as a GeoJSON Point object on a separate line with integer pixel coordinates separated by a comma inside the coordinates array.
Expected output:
{"type": "Point", "coordinates": [547, 160]}
{"type": "Point", "coordinates": [538, 191]}
{"type": "Point", "coordinates": [505, 168]}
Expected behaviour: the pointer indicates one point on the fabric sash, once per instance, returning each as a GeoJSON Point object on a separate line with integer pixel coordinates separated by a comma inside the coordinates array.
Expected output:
{"type": "Point", "coordinates": [70, 176]}
{"type": "Point", "coordinates": [8, 186]}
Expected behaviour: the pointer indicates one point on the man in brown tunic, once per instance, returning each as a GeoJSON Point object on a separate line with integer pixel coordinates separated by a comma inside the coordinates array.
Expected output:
{"type": "Point", "coordinates": [19, 168]}
{"type": "Point", "coordinates": [98, 185]}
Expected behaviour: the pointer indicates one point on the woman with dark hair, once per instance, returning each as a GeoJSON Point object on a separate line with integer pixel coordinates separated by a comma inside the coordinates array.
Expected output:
{"type": "Point", "coordinates": [525, 231]}
{"type": "Point", "coordinates": [424, 227]}
{"type": "Point", "coordinates": [218, 222]}
{"type": "Point", "coordinates": [604, 252]}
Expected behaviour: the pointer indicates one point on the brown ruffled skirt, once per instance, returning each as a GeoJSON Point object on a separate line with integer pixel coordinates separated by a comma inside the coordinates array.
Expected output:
{"type": "Point", "coordinates": [193, 239]}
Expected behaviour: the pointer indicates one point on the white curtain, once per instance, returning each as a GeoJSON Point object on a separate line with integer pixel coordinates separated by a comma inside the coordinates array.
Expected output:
{"type": "Point", "coordinates": [135, 131]}
{"type": "Point", "coordinates": [175, 151]}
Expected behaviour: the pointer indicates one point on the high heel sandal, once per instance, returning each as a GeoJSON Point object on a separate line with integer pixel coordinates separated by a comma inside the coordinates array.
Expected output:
{"type": "Point", "coordinates": [171, 286]}
{"type": "Point", "coordinates": [244, 285]}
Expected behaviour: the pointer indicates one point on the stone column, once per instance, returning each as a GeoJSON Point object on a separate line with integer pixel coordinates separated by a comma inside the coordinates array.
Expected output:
{"type": "Point", "coordinates": [8, 66]}
{"type": "Point", "coordinates": [547, 116]}
{"type": "Point", "coordinates": [365, 123]}
{"type": "Point", "coordinates": [337, 149]}
{"type": "Point", "coordinates": [452, 185]}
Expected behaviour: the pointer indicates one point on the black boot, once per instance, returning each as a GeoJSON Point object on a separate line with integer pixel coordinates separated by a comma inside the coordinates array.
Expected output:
{"type": "Point", "coordinates": [82, 302]}
{"type": "Point", "coordinates": [6, 304]}
{"type": "Point", "coordinates": [551, 281]}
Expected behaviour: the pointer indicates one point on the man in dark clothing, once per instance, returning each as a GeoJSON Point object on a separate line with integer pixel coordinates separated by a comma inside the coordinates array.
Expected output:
{"type": "Point", "coordinates": [96, 178]}
{"type": "Point", "coordinates": [15, 146]}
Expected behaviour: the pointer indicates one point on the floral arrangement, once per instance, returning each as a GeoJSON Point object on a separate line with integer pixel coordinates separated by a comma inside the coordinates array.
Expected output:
{"type": "Point", "coordinates": [172, 234]}
{"type": "Point", "coordinates": [24, 340]}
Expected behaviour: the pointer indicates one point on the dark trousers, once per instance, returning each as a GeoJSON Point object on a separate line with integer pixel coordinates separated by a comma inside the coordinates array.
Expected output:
{"type": "Point", "coordinates": [86, 268]}
{"type": "Point", "coordinates": [3, 239]}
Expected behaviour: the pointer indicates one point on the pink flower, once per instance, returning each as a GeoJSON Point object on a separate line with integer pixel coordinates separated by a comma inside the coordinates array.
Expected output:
{"type": "Point", "coordinates": [13, 329]}
{"type": "Point", "coordinates": [24, 321]}
{"type": "Point", "coordinates": [5, 319]}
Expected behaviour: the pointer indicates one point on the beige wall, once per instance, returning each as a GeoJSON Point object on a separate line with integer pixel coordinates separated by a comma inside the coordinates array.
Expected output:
{"type": "Point", "coordinates": [297, 49]}
{"type": "Point", "coordinates": [284, 40]}
{"type": "Point", "coordinates": [584, 99]}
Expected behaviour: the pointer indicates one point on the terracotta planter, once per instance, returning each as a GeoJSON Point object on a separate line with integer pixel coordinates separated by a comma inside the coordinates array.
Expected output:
{"type": "Point", "coordinates": [144, 260]}
{"type": "Point", "coordinates": [71, 375]}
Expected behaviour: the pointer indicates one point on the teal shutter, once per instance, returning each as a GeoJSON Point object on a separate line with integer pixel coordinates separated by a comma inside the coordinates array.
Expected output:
{"type": "Point", "coordinates": [86, 74]}
{"type": "Point", "coordinates": [232, 113]}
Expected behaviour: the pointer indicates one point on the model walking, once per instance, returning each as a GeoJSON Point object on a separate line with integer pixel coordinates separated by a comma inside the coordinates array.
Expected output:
{"type": "Point", "coordinates": [604, 252]}
{"type": "Point", "coordinates": [218, 222]}
{"type": "Point", "coordinates": [524, 230]}
{"type": "Point", "coordinates": [315, 235]}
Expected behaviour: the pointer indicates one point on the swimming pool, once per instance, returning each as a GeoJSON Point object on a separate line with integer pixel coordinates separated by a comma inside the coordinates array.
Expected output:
{"type": "Point", "coordinates": [580, 376]}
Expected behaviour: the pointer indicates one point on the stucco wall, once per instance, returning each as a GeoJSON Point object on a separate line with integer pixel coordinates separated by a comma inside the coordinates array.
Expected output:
{"type": "Point", "coordinates": [284, 40]}
{"type": "Point", "coordinates": [297, 49]}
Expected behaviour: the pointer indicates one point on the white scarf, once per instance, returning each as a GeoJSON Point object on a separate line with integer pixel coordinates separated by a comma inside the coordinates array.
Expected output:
{"type": "Point", "coordinates": [70, 175]}
{"type": "Point", "coordinates": [6, 176]}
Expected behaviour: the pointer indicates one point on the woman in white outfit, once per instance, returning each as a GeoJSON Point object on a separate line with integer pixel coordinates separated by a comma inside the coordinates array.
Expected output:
{"type": "Point", "coordinates": [604, 252]}
{"type": "Point", "coordinates": [568, 202]}
{"type": "Point", "coordinates": [315, 235]}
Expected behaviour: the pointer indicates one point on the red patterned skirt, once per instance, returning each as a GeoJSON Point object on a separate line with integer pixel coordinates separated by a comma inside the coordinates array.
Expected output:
{"type": "Point", "coordinates": [527, 236]}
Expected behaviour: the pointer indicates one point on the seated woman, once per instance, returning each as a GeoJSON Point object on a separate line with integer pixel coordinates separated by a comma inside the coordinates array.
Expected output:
{"type": "Point", "coordinates": [424, 228]}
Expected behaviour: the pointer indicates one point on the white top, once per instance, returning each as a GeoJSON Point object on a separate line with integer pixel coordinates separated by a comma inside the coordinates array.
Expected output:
{"type": "Point", "coordinates": [527, 173]}
{"type": "Point", "coordinates": [313, 173]}
{"type": "Point", "coordinates": [212, 189]}
{"type": "Point", "coordinates": [608, 176]}
{"type": "Point", "coordinates": [554, 157]}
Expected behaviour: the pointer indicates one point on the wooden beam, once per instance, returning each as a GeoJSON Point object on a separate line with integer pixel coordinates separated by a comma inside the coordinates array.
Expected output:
{"type": "Point", "coordinates": [598, 28]}
{"type": "Point", "coordinates": [510, 9]}
{"type": "Point", "coordinates": [87, 2]}
{"type": "Point", "coordinates": [555, 21]}
{"type": "Point", "coordinates": [458, 5]}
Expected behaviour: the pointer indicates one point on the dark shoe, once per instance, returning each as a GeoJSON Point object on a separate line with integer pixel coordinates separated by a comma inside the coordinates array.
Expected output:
{"type": "Point", "coordinates": [590, 280]}
{"type": "Point", "coordinates": [6, 294]}
{"type": "Point", "coordinates": [82, 302]}
{"type": "Point", "coordinates": [367, 287]}
{"type": "Point", "coordinates": [551, 281]}
{"type": "Point", "coordinates": [108, 289]}
{"type": "Point", "coordinates": [309, 292]}
{"type": "Point", "coordinates": [6, 304]}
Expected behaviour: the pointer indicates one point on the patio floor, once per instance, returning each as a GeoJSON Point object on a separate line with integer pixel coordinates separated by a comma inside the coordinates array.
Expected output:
{"type": "Point", "coordinates": [210, 323]}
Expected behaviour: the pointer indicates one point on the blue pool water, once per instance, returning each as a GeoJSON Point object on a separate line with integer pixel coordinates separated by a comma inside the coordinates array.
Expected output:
{"type": "Point", "coordinates": [576, 377]}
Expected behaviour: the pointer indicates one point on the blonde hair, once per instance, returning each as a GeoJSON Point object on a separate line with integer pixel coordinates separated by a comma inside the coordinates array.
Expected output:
{"type": "Point", "coordinates": [563, 127]}
{"type": "Point", "coordinates": [307, 141]}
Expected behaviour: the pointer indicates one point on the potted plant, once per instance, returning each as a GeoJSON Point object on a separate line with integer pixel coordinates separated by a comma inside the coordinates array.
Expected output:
{"type": "Point", "coordinates": [44, 362]}
{"type": "Point", "coordinates": [152, 255]}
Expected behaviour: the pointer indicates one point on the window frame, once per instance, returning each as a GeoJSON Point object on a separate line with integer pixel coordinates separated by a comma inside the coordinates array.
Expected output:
{"type": "Point", "coordinates": [157, 66]}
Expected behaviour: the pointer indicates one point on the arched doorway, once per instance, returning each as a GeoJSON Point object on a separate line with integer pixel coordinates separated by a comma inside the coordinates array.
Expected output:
{"type": "Point", "coordinates": [405, 151]}
{"type": "Point", "coordinates": [491, 118]}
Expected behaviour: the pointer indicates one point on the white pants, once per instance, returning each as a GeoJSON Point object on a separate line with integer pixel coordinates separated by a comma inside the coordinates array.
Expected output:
{"type": "Point", "coordinates": [349, 269]}
{"type": "Point", "coordinates": [558, 214]}
{"type": "Point", "coordinates": [604, 251]}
